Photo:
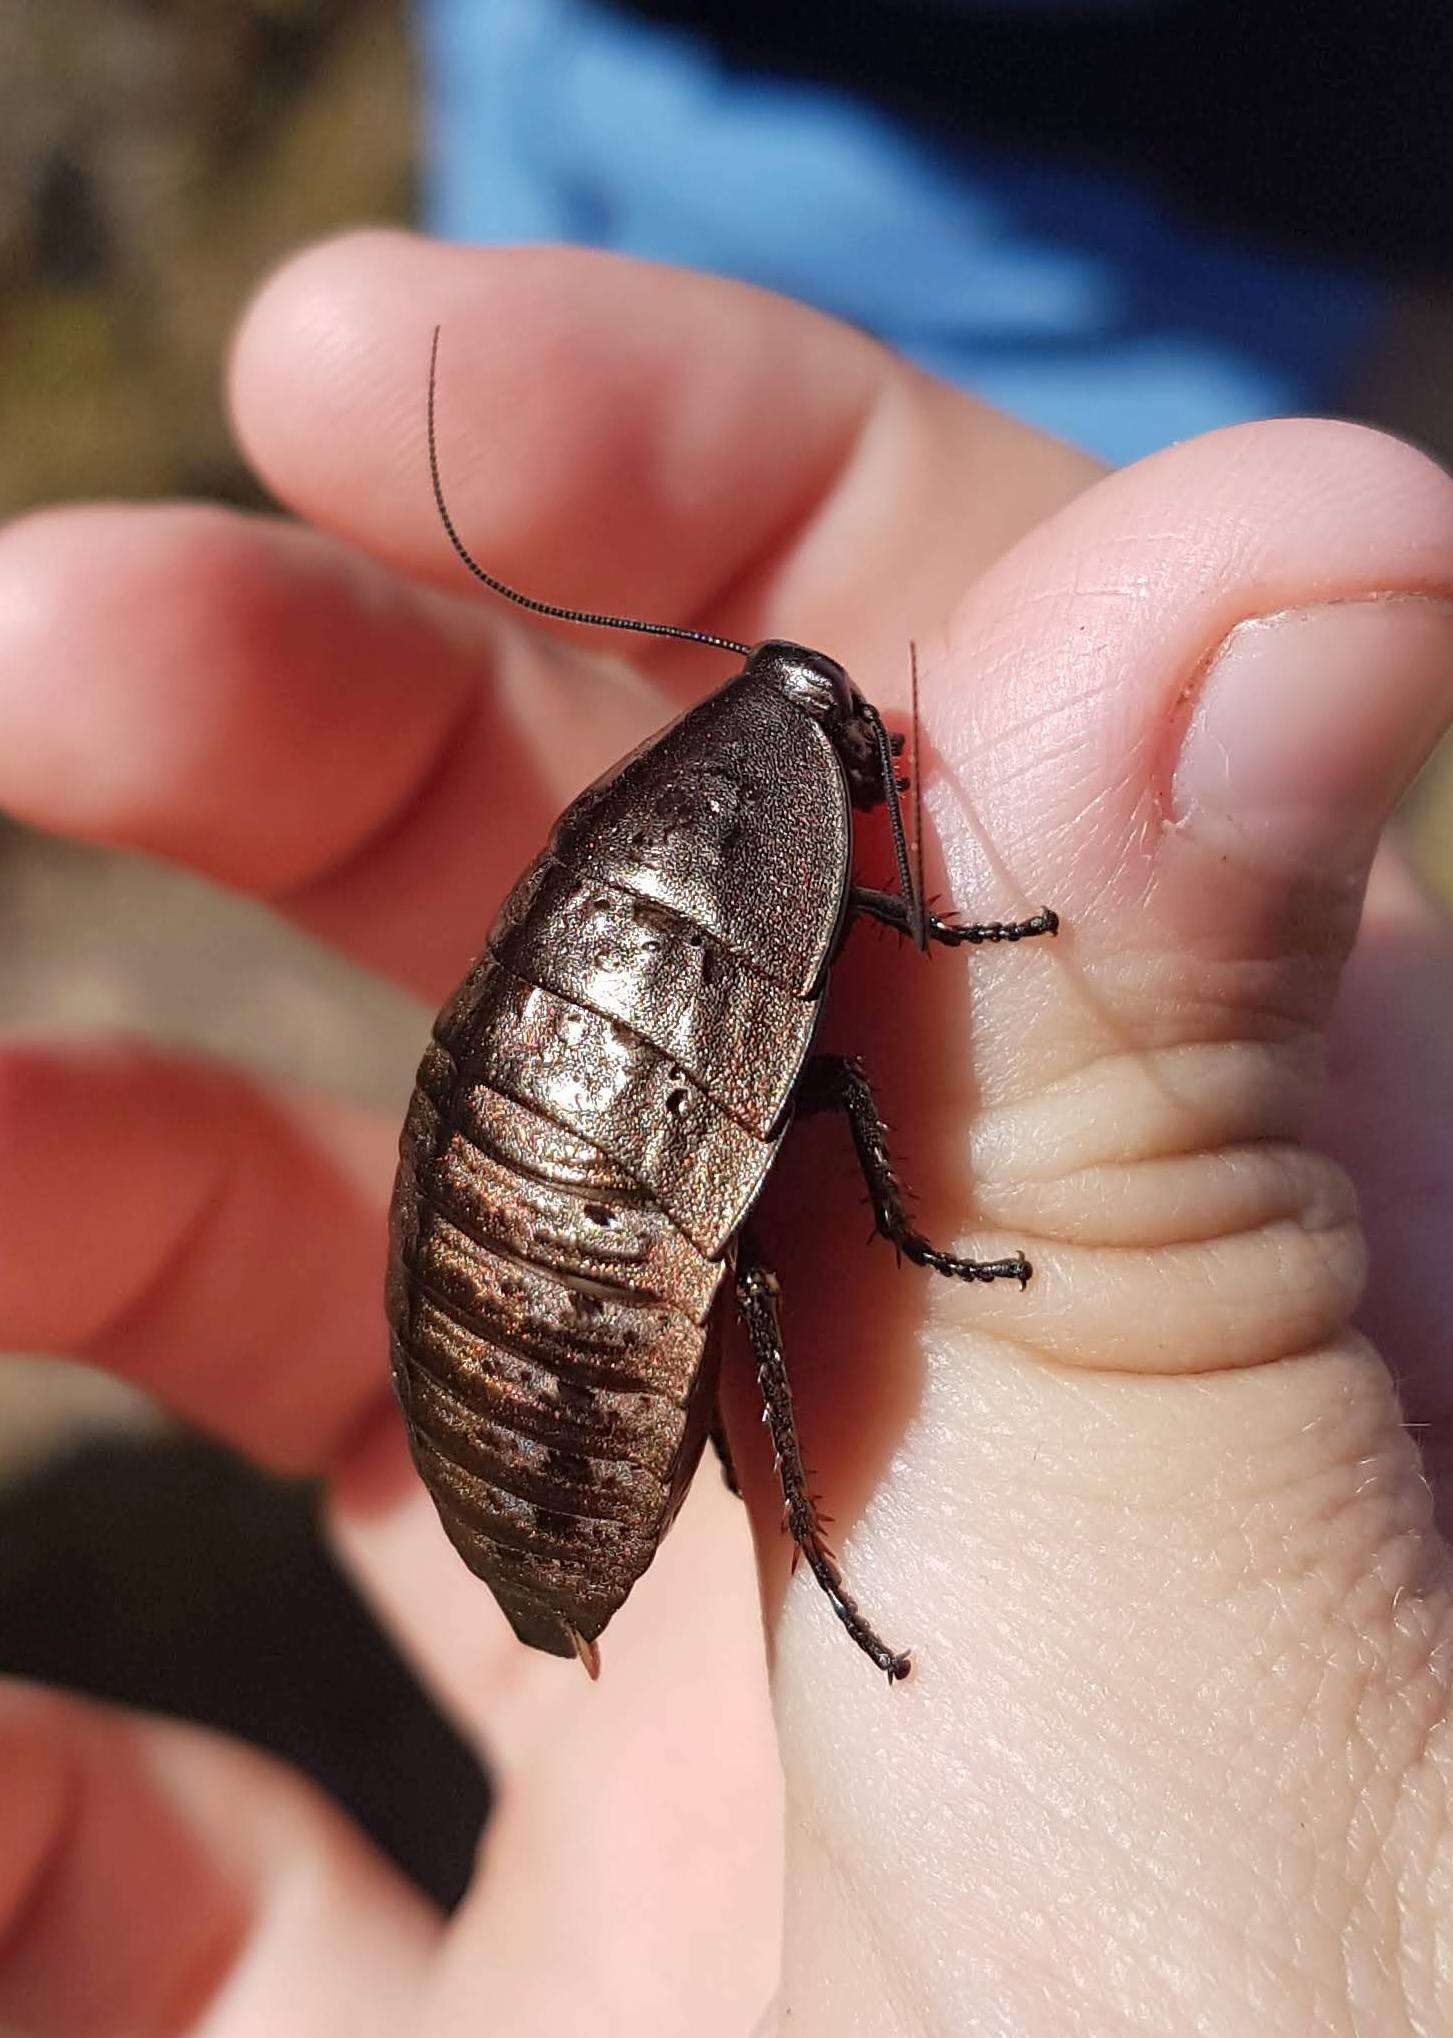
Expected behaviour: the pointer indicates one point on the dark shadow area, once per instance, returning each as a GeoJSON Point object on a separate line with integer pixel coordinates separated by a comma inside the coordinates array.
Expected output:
{"type": "Point", "coordinates": [164, 1574]}
{"type": "Point", "coordinates": [1322, 125]}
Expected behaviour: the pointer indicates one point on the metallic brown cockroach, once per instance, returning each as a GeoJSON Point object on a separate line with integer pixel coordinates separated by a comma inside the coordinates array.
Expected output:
{"type": "Point", "coordinates": [595, 1117]}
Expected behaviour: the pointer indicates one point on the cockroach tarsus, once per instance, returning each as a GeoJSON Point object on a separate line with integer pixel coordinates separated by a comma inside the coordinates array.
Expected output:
{"type": "Point", "coordinates": [598, 1109]}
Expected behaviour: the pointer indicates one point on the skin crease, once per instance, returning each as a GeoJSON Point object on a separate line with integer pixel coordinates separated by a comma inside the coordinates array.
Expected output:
{"type": "Point", "coordinates": [1174, 1756]}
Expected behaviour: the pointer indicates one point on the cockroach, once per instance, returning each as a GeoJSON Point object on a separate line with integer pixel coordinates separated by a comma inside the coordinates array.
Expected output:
{"type": "Point", "coordinates": [598, 1110]}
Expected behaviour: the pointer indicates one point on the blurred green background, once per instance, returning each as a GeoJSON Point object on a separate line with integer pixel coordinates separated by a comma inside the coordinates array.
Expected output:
{"type": "Point", "coordinates": [155, 159]}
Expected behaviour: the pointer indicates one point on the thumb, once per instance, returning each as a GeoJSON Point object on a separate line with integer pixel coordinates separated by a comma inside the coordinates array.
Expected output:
{"type": "Point", "coordinates": [1174, 1754]}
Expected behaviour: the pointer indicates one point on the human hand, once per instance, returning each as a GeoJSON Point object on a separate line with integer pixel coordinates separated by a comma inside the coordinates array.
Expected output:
{"type": "Point", "coordinates": [1175, 1752]}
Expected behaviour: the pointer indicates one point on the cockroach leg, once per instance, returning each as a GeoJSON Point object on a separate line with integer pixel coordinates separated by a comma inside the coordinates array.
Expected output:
{"type": "Point", "coordinates": [892, 911]}
{"type": "Point", "coordinates": [721, 1444]}
{"type": "Point", "coordinates": [757, 1293]}
{"type": "Point", "coordinates": [833, 1082]}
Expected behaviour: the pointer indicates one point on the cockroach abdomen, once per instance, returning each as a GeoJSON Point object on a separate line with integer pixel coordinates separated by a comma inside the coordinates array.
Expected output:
{"type": "Point", "coordinates": [596, 1114]}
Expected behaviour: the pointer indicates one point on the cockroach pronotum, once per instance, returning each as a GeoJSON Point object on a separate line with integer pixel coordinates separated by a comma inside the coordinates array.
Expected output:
{"type": "Point", "coordinates": [595, 1117]}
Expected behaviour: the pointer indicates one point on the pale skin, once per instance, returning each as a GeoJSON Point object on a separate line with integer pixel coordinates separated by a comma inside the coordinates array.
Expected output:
{"type": "Point", "coordinates": [1175, 1756]}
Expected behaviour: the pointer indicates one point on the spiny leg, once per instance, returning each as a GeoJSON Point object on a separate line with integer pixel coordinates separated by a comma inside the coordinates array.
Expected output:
{"type": "Point", "coordinates": [757, 1293]}
{"type": "Point", "coordinates": [892, 911]}
{"type": "Point", "coordinates": [906, 910]}
{"type": "Point", "coordinates": [832, 1082]}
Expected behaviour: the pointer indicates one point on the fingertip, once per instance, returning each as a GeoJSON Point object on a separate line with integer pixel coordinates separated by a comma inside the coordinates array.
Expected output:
{"type": "Point", "coordinates": [302, 342]}
{"type": "Point", "coordinates": [614, 434]}
{"type": "Point", "coordinates": [39, 1783]}
{"type": "Point", "coordinates": [329, 367]}
{"type": "Point", "coordinates": [81, 1121]}
{"type": "Point", "coordinates": [1088, 644]}
{"type": "Point", "coordinates": [1381, 486]}
{"type": "Point", "coordinates": [111, 621]}
{"type": "Point", "coordinates": [49, 1088]}
{"type": "Point", "coordinates": [232, 691]}
{"type": "Point", "coordinates": [154, 1877]}
{"type": "Point", "coordinates": [1295, 510]}
{"type": "Point", "coordinates": [217, 1242]}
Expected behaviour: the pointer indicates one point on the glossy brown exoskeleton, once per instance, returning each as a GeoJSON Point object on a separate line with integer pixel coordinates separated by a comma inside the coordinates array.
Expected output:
{"type": "Point", "coordinates": [595, 1116]}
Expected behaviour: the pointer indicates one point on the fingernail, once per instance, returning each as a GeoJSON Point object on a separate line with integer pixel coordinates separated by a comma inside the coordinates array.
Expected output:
{"type": "Point", "coordinates": [1310, 724]}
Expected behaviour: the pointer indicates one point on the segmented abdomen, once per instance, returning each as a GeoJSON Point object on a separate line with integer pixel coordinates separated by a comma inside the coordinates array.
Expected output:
{"type": "Point", "coordinates": [598, 1111]}
{"type": "Point", "coordinates": [550, 1349]}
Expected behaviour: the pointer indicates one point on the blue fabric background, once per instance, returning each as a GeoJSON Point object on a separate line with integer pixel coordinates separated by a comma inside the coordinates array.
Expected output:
{"type": "Point", "coordinates": [1077, 302]}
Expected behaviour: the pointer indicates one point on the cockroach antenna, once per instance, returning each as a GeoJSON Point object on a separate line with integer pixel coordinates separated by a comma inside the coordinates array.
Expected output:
{"type": "Point", "coordinates": [528, 601]}
{"type": "Point", "coordinates": [910, 889]}
{"type": "Point", "coordinates": [915, 773]}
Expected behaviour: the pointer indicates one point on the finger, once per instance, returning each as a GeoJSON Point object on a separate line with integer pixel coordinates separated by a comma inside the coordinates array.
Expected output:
{"type": "Point", "coordinates": [257, 704]}
{"type": "Point", "coordinates": [629, 437]}
{"type": "Point", "coordinates": [1154, 1524]}
{"type": "Point", "coordinates": [248, 698]}
{"type": "Point", "coordinates": [155, 1878]}
{"type": "Point", "coordinates": [237, 1275]}
{"type": "Point", "coordinates": [219, 1245]}
{"type": "Point", "coordinates": [632, 1877]}
{"type": "Point", "coordinates": [1389, 1120]}
{"type": "Point", "coordinates": [650, 1810]}
{"type": "Point", "coordinates": [1106, 771]}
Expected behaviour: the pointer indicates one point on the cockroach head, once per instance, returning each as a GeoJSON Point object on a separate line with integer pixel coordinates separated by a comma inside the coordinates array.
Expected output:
{"type": "Point", "coordinates": [816, 684]}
